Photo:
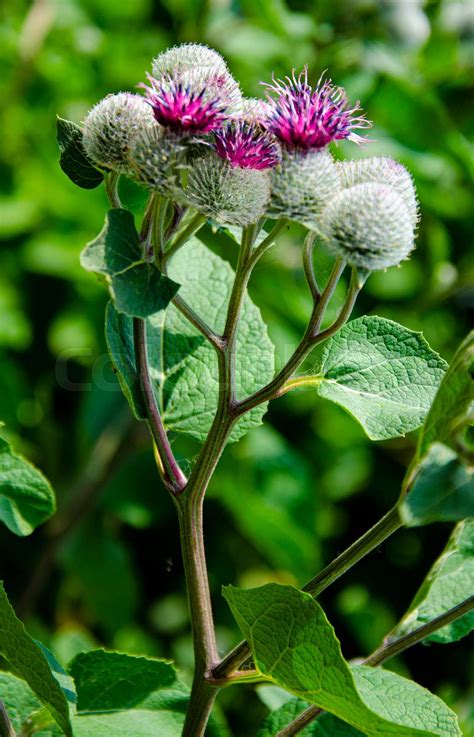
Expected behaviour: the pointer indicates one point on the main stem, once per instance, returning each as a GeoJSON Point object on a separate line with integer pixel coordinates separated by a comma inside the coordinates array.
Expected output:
{"type": "Point", "coordinates": [190, 512]}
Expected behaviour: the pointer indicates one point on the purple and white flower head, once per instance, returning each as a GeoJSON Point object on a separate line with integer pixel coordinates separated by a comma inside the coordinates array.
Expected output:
{"type": "Point", "coordinates": [369, 225]}
{"type": "Point", "coordinates": [385, 171]}
{"type": "Point", "coordinates": [305, 118]}
{"type": "Point", "coordinates": [225, 193]}
{"type": "Point", "coordinates": [184, 107]}
{"type": "Point", "coordinates": [247, 146]}
{"type": "Point", "coordinates": [302, 185]}
{"type": "Point", "coordinates": [111, 125]}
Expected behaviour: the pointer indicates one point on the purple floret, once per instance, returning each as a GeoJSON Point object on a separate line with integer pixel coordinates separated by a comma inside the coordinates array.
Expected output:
{"type": "Point", "coordinates": [306, 118]}
{"type": "Point", "coordinates": [247, 146]}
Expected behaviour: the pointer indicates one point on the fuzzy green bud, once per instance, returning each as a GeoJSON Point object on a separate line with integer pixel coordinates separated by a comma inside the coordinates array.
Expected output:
{"type": "Point", "coordinates": [227, 194]}
{"type": "Point", "coordinates": [110, 126]}
{"type": "Point", "coordinates": [368, 225]}
{"type": "Point", "coordinates": [182, 58]}
{"type": "Point", "coordinates": [302, 185]}
{"type": "Point", "coordinates": [385, 171]}
{"type": "Point", "coordinates": [155, 159]}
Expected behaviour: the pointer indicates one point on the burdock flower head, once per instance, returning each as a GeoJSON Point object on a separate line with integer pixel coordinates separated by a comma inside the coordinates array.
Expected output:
{"type": "Point", "coordinates": [247, 146]}
{"type": "Point", "coordinates": [185, 107]}
{"type": "Point", "coordinates": [305, 118]}
{"type": "Point", "coordinates": [232, 184]}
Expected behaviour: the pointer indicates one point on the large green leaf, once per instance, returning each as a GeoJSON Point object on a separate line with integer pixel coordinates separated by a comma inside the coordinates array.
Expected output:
{"type": "Point", "coordinates": [137, 287]}
{"type": "Point", "coordinates": [29, 662]}
{"type": "Point", "coordinates": [183, 365]}
{"type": "Point", "coordinates": [294, 646]}
{"type": "Point", "coordinates": [73, 160]}
{"type": "Point", "coordinates": [383, 374]}
{"type": "Point", "coordinates": [451, 410]}
{"type": "Point", "coordinates": [449, 582]}
{"type": "Point", "coordinates": [108, 680]}
{"type": "Point", "coordinates": [327, 725]}
{"type": "Point", "coordinates": [26, 498]}
{"type": "Point", "coordinates": [442, 490]}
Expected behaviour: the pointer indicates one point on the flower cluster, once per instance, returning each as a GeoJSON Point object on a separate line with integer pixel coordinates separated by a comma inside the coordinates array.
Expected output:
{"type": "Point", "coordinates": [194, 138]}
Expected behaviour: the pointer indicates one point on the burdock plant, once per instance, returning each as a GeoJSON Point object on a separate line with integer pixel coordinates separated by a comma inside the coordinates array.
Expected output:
{"type": "Point", "coordinates": [192, 355]}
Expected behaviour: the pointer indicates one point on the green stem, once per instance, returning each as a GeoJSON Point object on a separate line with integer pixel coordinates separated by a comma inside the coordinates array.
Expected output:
{"type": "Point", "coordinates": [387, 650]}
{"type": "Point", "coordinates": [358, 550]}
{"type": "Point", "coordinates": [111, 188]}
{"type": "Point", "coordinates": [310, 338]}
{"type": "Point", "coordinates": [267, 242]}
{"type": "Point", "coordinates": [190, 505]}
{"type": "Point", "coordinates": [385, 527]}
{"type": "Point", "coordinates": [301, 721]}
{"type": "Point", "coordinates": [394, 646]}
{"type": "Point", "coordinates": [196, 222]}
{"type": "Point", "coordinates": [308, 266]}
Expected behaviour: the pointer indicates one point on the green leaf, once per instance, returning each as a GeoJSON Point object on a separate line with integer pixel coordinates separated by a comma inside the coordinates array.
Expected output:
{"type": "Point", "coordinates": [183, 365]}
{"type": "Point", "coordinates": [137, 287]}
{"type": "Point", "coordinates": [442, 489]}
{"type": "Point", "coordinates": [26, 498]}
{"type": "Point", "coordinates": [136, 722]}
{"type": "Point", "coordinates": [383, 374]}
{"type": "Point", "coordinates": [73, 159]}
{"type": "Point", "coordinates": [28, 661]}
{"type": "Point", "coordinates": [18, 698]}
{"type": "Point", "coordinates": [294, 646]}
{"type": "Point", "coordinates": [109, 680]}
{"type": "Point", "coordinates": [449, 582]}
{"type": "Point", "coordinates": [402, 701]}
{"type": "Point", "coordinates": [450, 412]}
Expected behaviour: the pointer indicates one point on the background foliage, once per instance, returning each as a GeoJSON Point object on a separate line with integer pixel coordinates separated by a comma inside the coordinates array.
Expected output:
{"type": "Point", "coordinates": [289, 496]}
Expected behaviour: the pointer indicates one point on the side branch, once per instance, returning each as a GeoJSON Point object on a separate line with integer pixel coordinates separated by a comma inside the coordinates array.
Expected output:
{"type": "Point", "coordinates": [173, 476]}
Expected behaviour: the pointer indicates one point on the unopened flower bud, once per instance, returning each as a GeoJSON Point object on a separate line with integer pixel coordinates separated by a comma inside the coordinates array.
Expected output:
{"type": "Point", "coordinates": [302, 186]}
{"type": "Point", "coordinates": [369, 225]}
{"type": "Point", "coordinates": [155, 159]}
{"type": "Point", "coordinates": [227, 194]}
{"type": "Point", "coordinates": [110, 126]}
{"type": "Point", "coordinates": [184, 57]}
{"type": "Point", "coordinates": [385, 171]}
{"type": "Point", "coordinates": [255, 110]}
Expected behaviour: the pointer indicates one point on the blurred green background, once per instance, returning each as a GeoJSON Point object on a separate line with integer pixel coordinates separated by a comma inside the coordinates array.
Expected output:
{"type": "Point", "coordinates": [294, 493]}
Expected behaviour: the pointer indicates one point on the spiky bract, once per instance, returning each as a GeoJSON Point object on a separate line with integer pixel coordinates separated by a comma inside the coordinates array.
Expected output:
{"type": "Point", "coordinates": [227, 194]}
{"type": "Point", "coordinates": [302, 185]}
{"type": "Point", "coordinates": [369, 225]}
{"type": "Point", "coordinates": [110, 126]}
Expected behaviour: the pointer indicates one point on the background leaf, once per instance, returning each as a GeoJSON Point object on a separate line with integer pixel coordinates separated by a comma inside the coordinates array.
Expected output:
{"type": "Point", "coordinates": [28, 661]}
{"type": "Point", "coordinates": [26, 497]}
{"type": "Point", "coordinates": [73, 160]}
{"type": "Point", "coordinates": [294, 645]}
{"type": "Point", "coordinates": [382, 373]}
{"type": "Point", "coordinates": [137, 286]}
{"type": "Point", "coordinates": [442, 490]}
{"type": "Point", "coordinates": [450, 582]}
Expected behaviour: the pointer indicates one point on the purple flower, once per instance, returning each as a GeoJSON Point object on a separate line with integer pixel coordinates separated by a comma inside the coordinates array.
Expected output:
{"type": "Point", "coordinates": [303, 117]}
{"type": "Point", "coordinates": [178, 106]}
{"type": "Point", "coordinates": [247, 146]}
